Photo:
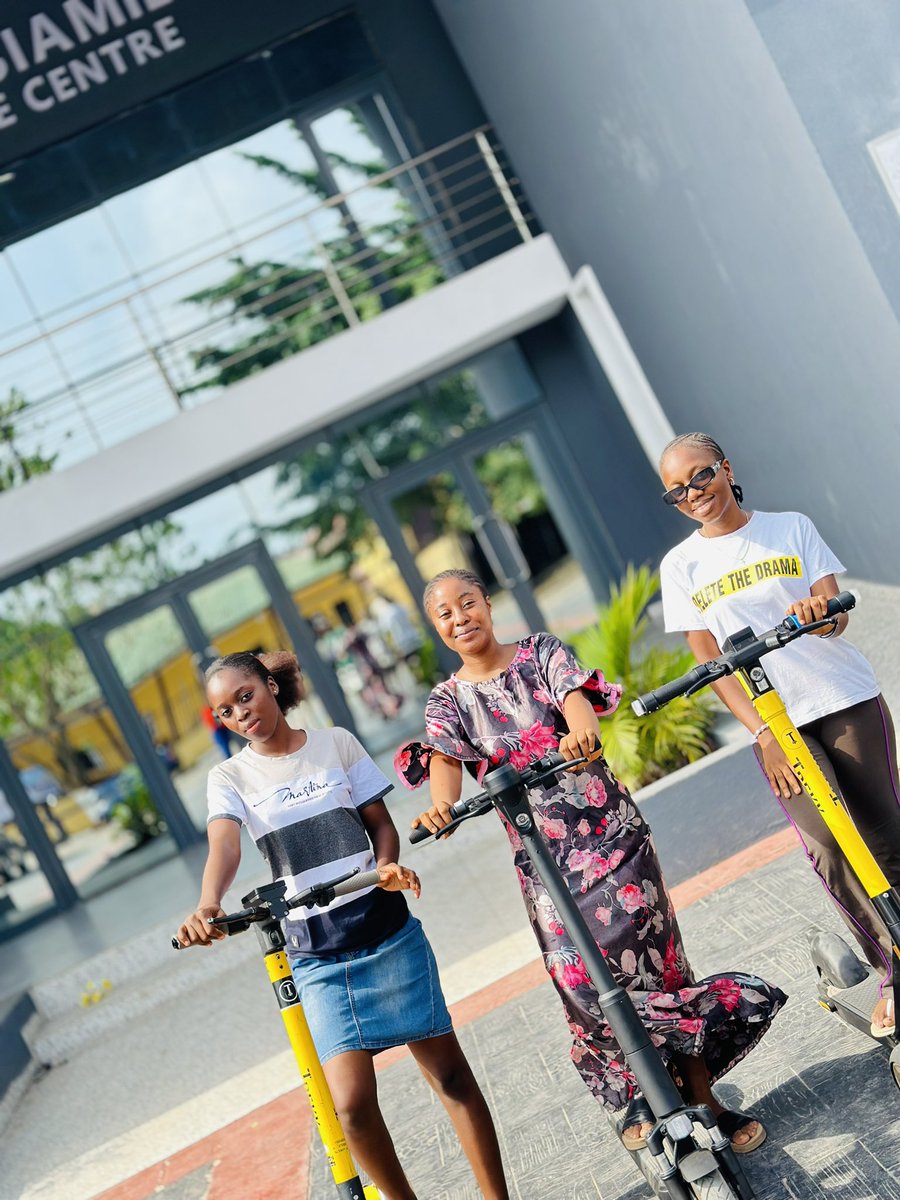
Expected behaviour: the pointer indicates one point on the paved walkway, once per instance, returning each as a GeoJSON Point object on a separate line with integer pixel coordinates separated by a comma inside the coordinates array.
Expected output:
{"type": "Point", "coordinates": [198, 1099]}
{"type": "Point", "coordinates": [824, 1091]}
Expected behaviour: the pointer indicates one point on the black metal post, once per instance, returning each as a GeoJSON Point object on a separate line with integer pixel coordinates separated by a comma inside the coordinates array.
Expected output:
{"type": "Point", "coordinates": [29, 823]}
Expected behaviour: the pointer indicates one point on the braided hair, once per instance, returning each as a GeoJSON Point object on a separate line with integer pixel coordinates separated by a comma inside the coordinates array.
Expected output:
{"type": "Point", "coordinates": [459, 573]}
{"type": "Point", "coordinates": [702, 441]}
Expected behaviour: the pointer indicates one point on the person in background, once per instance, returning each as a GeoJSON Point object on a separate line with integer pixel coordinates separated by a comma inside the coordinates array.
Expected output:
{"type": "Point", "coordinates": [221, 737]}
{"type": "Point", "coordinates": [397, 627]}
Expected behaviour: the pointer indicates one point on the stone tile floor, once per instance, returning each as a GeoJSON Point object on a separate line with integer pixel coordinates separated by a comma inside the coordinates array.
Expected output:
{"type": "Point", "coordinates": [824, 1091]}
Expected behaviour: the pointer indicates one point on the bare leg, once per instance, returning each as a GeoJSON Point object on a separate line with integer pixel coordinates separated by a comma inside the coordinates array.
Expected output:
{"type": "Point", "coordinates": [447, 1070]}
{"type": "Point", "coordinates": [351, 1079]}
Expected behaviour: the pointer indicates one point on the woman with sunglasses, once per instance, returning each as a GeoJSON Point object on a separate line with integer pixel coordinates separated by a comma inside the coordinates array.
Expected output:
{"type": "Point", "coordinates": [744, 568]}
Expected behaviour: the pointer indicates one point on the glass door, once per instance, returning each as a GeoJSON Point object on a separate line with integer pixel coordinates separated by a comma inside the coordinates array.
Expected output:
{"type": "Point", "coordinates": [537, 550]}
{"type": "Point", "coordinates": [150, 654]}
{"type": "Point", "coordinates": [153, 657]}
{"type": "Point", "coordinates": [493, 504]}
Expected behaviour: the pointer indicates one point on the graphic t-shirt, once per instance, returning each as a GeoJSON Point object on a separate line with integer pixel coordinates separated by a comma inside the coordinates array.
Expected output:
{"type": "Point", "coordinates": [750, 578]}
{"type": "Point", "coordinates": [303, 812]}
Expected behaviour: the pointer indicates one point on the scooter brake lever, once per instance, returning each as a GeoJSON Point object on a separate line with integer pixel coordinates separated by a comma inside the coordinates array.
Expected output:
{"type": "Point", "coordinates": [530, 781]}
{"type": "Point", "coordinates": [475, 811]}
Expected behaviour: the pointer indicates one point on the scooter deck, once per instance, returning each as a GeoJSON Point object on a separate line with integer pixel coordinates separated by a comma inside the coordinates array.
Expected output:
{"type": "Point", "coordinates": [857, 1001]}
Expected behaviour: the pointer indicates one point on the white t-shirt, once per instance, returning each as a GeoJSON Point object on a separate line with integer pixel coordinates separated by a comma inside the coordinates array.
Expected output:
{"type": "Point", "coordinates": [302, 810]}
{"type": "Point", "coordinates": [751, 577]}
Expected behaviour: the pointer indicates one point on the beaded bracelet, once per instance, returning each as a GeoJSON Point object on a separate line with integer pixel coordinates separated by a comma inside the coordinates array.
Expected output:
{"type": "Point", "coordinates": [761, 729]}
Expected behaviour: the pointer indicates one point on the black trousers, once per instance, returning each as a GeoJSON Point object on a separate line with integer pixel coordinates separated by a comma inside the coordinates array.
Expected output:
{"type": "Point", "coordinates": [856, 750]}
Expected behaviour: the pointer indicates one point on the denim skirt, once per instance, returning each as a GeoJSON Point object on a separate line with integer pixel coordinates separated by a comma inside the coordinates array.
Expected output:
{"type": "Point", "coordinates": [370, 999]}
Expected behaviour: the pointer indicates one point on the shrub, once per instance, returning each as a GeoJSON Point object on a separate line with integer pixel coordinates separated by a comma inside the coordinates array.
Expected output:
{"type": "Point", "coordinates": [641, 749]}
{"type": "Point", "coordinates": [135, 811]}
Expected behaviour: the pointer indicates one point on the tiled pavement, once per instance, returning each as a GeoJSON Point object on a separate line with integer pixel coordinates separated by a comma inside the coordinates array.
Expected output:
{"type": "Point", "coordinates": [824, 1091]}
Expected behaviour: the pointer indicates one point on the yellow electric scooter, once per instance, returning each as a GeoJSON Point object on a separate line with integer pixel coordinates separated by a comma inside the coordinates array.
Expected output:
{"type": "Point", "coordinates": [847, 986]}
{"type": "Point", "coordinates": [265, 908]}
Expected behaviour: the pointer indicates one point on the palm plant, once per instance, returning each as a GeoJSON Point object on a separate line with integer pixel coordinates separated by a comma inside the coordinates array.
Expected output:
{"type": "Point", "coordinates": [641, 749]}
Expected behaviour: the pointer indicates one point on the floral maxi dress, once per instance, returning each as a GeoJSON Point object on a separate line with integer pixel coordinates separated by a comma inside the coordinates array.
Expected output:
{"type": "Point", "coordinates": [605, 851]}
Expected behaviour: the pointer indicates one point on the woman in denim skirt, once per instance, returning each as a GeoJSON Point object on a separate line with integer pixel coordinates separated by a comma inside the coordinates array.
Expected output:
{"type": "Point", "coordinates": [313, 801]}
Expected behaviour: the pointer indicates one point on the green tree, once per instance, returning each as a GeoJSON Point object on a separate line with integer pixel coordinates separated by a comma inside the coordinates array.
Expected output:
{"type": "Point", "coordinates": [276, 309]}
{"type": "Point", "coordinates": [17, 466]}
{"type": "Point", "coordinates": [331, 472]}
{"type": "Point", "coordinates": [43, 675]}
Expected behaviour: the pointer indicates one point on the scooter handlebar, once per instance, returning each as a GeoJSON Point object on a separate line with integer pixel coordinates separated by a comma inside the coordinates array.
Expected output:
{"type": "Point", "coordinates": [356, 883]}
{"type": "Point", "coordinates": [650, 702]}
{"type": "Point", "coordinates": [840, 603]}
{"type": "Point", "coordinates": [470, 807]}
{"type": "Point", "coordinates": [716, 668]}
{"type": "Point", "coordinates": [324, 893]}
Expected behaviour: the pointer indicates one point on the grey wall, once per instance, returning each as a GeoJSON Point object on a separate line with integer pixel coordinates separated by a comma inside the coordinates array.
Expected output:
{"type": "Point", "coordinates": [436, 95]}
{"type": "Point", "coordinates": [621, 485]}
{"type": "Point", "coordinates": [839, 62]}
{"type": "Point", "coordinates": [657, 141]}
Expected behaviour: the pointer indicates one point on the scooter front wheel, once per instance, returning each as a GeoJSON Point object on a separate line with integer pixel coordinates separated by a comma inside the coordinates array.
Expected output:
{"type": "Point", "coordinates": [714, 1187]}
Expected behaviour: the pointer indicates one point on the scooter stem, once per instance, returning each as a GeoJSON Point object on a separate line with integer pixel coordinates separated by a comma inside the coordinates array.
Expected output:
{"type": "Point", "coordinates": [652, 1078]}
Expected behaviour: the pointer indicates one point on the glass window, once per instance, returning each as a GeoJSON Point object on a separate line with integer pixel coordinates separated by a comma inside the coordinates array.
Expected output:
{"type": "Point", "coordinates": [219, 105]}
{"type": "Point", "coordinates": [24, 890]}
{"type": "Point", "coordinates": [66, 745]}
{"type": "Point", "coordinates": [31, 197]}
{"type": "Point", "coordinates": [70, 267]}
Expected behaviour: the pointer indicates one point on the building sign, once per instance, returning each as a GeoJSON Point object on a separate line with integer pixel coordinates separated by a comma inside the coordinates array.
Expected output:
{"type": "Point", "coordinates": [67, 65]}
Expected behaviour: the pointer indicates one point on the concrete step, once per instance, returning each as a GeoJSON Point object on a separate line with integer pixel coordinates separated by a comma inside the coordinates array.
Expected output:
{"type": "Point", "coordinates": [140, 974]}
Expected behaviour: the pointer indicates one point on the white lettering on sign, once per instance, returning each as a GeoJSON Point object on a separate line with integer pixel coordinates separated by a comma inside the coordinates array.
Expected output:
{"type": "Point", "coordinates": [85, 35]}
{"type": "Point", "coordinates": [7, 116]}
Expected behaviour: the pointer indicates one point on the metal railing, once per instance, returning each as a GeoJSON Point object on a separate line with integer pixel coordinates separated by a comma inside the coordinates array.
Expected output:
{"type": "Point", "coordinates": [97, 377]}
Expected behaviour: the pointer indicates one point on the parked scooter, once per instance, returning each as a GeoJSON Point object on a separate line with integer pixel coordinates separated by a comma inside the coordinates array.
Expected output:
{"type": "Point", "coordinates": [847, 986]}
{"type": "Point", "coordinates": [265, 908]}
{"type": "Point", "coordinates": [687, 1156]}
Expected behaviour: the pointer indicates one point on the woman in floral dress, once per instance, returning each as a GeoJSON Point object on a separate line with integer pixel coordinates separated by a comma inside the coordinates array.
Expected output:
{"type": "Point", "coordinates": [513, 703]}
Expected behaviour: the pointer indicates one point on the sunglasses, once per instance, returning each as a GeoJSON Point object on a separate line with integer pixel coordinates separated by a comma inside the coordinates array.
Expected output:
{"type": "Point", "coordinates": [678, 495]}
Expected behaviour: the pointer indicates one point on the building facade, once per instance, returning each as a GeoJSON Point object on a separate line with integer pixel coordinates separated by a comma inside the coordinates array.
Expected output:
{"type": "Point", "coordinates": [300, 305]}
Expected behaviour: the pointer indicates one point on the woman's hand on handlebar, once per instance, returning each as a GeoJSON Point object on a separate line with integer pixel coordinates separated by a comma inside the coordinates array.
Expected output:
{"type": "Point", "coordinates": [394, 878]}
{"type": "Point", "coordinates": [197, 931]}
{"type": "Point", "coordinates": [445, 775]}
{"type": "Point", "coordinates": [434, 819]}
{"type": "Point", "coordinates": [781, 777]}
{"type": "Point", "coordinates": [809, 609]}
{"type": "Point", "coordinates": [580, 743]}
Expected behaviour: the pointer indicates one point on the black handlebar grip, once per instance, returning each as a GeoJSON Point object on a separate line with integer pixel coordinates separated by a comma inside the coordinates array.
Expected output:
{"type": "Point", "coordinates": [652, 701]}
{"type": "Point", "coordinates": [419, 834]}
{"type": "Point", "coordinates": [550, 762]}
{"type": "Point", "coordinates": [176, 945]}
{"type": "Point", "coordinates": [840, 603]}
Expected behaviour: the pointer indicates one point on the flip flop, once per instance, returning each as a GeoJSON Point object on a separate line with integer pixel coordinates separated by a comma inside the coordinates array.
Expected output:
{"type": "Point", "coordinates": [637, 1113]}
{"type": "Point", "coordinates": [731, 1122]}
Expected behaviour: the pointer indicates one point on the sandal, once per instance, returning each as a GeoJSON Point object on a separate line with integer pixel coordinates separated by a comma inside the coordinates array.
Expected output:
{"type": "Point", "coordinates": [637, 1113]}
{"type": "Point", "coordinates": [731, 1122]}
{"type": "Point", "coordinates": [885, 1031]}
